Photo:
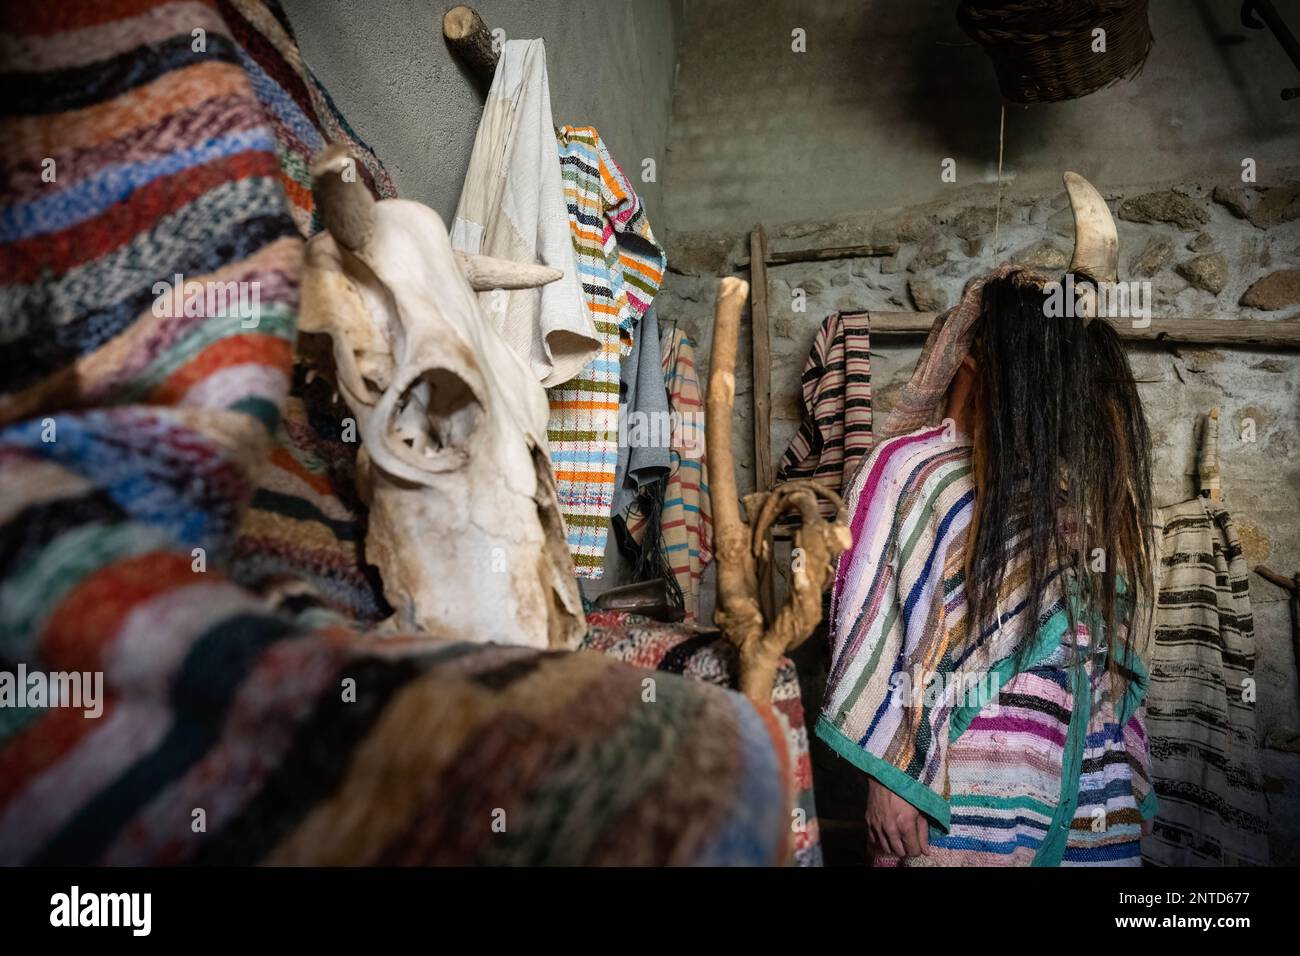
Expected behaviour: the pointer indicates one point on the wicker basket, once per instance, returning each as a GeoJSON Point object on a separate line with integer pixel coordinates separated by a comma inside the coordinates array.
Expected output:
{"type": "Point", "coordinates": [1042, 49]}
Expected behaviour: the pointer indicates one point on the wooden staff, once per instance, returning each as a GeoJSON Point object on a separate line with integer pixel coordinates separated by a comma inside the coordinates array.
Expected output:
{"type": "Point", "coordinates": [742, 550]}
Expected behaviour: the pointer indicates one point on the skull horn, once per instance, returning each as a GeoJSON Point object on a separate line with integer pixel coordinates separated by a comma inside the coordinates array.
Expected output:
{"type": "Point", "coordinates": [1096, 241]}
{"type": "Point", "coordinates": [487, 272]}
{"type": "Point", "coordinates": [346, 207]}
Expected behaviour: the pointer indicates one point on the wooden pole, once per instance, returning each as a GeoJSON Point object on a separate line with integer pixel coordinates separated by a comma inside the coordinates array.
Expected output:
{"type": "Point", "coordinates": [470, 42]}
{"type": "Point", "coordinates": [764, 474]}
{"type": "Point", "coordinates": [829, 254]}
{"type": "Point", "coordinates": [1239, 333]}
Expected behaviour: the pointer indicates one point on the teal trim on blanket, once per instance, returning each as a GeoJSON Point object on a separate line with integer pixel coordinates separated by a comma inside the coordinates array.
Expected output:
{"type": "Point", "coordinates": [1136, 690]}
{"type": "Point", "coordinates": [1149, 806]}
{"type": "Point", "coordinates": [909, 788]}
{"type": "Point", "coordinates": [1052, 849]}
{"type": "Point", "coordinates": [1044, 644]}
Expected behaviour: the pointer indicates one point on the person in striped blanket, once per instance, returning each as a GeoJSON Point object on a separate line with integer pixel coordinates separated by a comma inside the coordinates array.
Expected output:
{"type": "Point", "coordinates": [983, 674]}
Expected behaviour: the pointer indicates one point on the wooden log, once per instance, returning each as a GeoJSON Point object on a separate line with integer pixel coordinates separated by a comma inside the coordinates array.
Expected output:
{"type": "Point", "coordinates": [470, 42]}
{"type": "Point", "coordinates": [764, 474]}
{"type": "Point", "coordinates": [1239, 333]}
{"type": "Point", "coordinates": [828, 254]}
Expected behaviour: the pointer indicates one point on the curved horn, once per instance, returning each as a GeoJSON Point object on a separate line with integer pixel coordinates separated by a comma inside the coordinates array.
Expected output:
{"type": "Point", "coordinates": [347, 209]}
{"type": "Point", "coordinates": [1096, 241]}
{"type": "Point", "coordinates": [487, 272]}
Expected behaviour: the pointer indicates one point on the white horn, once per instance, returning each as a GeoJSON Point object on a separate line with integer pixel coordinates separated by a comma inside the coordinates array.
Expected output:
{"type": "Point", "coordinates": [1096, 241]}
{"type": "Point", "coordinates": [347, 210]}
{"type": "Point", "coordinates": [487, 272]}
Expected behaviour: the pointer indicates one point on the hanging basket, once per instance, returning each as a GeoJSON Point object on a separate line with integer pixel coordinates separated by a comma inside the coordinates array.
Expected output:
{"type": "Point", "coordinates": [1044, 50]}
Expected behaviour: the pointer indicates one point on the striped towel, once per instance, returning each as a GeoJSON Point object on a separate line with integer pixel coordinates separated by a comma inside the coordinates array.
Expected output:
{"type": "Point", "coordinates": [835, 433]}
{"type": "Point", "coordinates": [621, 267]}
{"type": "Point", "coordinates": [1204, 750]}
{"type": "Point", "coordinates": [685, 519]}
{"type": "Point", "coordinates": [129, 446]}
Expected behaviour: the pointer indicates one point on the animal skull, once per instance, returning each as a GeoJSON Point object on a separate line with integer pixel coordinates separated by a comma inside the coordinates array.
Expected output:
{"type": "Point", "coordinates": [465, 527]}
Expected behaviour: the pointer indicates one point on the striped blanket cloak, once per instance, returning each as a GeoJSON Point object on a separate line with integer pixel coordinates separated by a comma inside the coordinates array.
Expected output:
{"type": "Point", "coordinates": [1009, 741]}
{"type": "Point", "coordinates": [1204, 750]}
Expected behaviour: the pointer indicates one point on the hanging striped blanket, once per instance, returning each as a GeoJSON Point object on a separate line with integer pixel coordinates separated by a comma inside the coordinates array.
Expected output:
{"type": "Point", "coordinates": [835, 433]}
{"type": "Point", "coordinates": [1204, 750]}
{"type": "Point", "coordinates": [1015, 752]}
{"type": "Point", "coordinates": [621, 267]}
{"type": "Point", "coordinates": [685, 520]}
{"type": "Point", "coordinates": [131, 443]}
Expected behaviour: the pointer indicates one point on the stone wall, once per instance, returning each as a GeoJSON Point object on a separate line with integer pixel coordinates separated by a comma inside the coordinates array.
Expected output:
{"type": "Point", "coordinates": [1210, 250]}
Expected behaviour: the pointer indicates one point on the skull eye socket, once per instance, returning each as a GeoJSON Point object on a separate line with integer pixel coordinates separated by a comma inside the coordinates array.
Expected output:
{"type": "Point", "coordinates": [437, 414]}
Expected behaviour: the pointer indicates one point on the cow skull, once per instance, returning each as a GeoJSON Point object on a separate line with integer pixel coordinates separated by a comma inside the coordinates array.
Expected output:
{"type": "Point", "coordinates": [465, 526]}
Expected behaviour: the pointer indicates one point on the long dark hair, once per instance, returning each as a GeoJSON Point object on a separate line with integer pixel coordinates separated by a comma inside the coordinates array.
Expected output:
{"type": "Point", "coordinates": [1057, 421]}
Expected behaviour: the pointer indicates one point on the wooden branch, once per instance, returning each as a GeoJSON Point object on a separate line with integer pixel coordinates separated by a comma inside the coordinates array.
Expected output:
{"type": "Point", "coordinates": [829, 254]}
{"type": "Point", "coordinates": [1289, 585]}
{"type": "Point", "coordinates": [764, 474]}
{"type": "Point", "coordinates": [1241, 333]}
{"type": "Point", "coordinates": [470, 42]}
{"type": "Point", "coordinates": [760, 639]}
{"type": "Point", "coordinates": [737, 611]}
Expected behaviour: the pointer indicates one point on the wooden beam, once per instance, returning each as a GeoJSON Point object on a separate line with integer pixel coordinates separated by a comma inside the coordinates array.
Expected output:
{"type": "Point", "coordinates": [1239, 333]}
{"type": "Point", "coordinates": [823, 255]}
{"type": "Point", "coordinates": [470, 42]}
{"type": "Point", "coordinates": [764, 474]}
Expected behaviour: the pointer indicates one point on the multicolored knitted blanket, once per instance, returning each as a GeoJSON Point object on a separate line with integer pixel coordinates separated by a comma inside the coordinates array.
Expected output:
{"type": "Point", "coordinates": [621, 266]}
{"type": "Point", "coordinates": [1204, 750]}
{"type": "Point", "coordinates": [157, 148]}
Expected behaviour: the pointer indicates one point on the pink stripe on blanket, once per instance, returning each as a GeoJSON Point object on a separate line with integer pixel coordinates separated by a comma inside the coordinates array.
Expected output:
{"type": "Point", "coordinates": [888, 452]}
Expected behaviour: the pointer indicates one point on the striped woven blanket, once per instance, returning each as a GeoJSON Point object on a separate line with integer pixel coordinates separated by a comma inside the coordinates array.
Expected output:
{"type": "Point", "coordinates": [1204, 751]}
{"type": "Point", "coordinates": [835, 433]}
{"type": "Point", "coordinates": [621, 266]}
{"type": "Point", "coordinates": [151, 140]}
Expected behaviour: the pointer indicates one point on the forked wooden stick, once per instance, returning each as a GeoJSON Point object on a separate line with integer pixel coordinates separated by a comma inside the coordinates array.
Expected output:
{"type": "Point", "coordinates": [740, 548]}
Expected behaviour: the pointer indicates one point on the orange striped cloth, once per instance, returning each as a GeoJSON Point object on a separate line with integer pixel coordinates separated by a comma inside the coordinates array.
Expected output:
{"type": "Point", "coordinates": [621, 266]}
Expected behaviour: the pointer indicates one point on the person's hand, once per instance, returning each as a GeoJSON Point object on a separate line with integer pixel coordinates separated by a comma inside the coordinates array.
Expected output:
{"type": "Point", "coordinates": [894, 826]}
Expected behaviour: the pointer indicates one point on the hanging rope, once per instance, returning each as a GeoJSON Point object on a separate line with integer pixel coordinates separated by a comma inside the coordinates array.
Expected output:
{"type": "Point", "coordinates": [997, 211]}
